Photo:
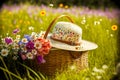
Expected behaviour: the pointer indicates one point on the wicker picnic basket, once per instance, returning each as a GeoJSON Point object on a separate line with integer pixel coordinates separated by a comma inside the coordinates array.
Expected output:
{"type": "Point", "coordinates": [58, 60]}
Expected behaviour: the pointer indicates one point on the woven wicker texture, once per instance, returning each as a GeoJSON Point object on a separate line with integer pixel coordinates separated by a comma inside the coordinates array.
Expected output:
{"type": "Point", "coordinates": [59, 60]}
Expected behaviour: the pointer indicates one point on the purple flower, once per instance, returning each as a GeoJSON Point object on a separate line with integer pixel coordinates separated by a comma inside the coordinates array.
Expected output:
{"type": "Point", "coordinates": [30, 46]}
{"type": "Point", "coordinates": [20, 43]}
{"type": "Point", "coordinates": [8, 40]}
{"type": "Point", "coordinates": [40, 59]}
{"type": "Point", "coordinates": [16, 31]}
{"type": "Point", "coordinates": [28, 37]}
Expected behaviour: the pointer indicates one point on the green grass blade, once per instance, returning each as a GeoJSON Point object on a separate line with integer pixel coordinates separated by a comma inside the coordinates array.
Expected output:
{"type": "Point", "coordinates": [29, 76]}
{"type": "Point", "coordinates": [42, 76]}
{"type": "Point", "coordinates": [7, 78]}
{"type": "Point", "coordinates": [17, 72]}
{"type": "Point", "coordinates": [11, 73]}
{"type": "Point", "coordinates": [31, 71]}
{"type": "Point", "coordinates": [6, 69]}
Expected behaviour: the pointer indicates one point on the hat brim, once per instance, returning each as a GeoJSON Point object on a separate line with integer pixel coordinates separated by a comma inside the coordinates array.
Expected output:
{"type": "Point", "coordinates": [85, 45]}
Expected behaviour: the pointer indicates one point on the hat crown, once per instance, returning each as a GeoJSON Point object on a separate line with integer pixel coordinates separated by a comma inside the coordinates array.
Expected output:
{"type": "Point", "coordinates": [67, 32]}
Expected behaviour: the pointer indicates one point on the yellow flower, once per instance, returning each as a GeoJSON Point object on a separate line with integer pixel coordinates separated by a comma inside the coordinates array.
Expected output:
{"type": "Point", "coordinates": [66, 6]}
{"type": "Point", "coordinates": [17, 26]}
{"type": "Point", "coordinates": [28, 22]}
{"type": "Point", "coordinates": [114, 27]}
{"type": "Point", "coordinates": [42, 12]}
{"type": "Point", "coordinates": [20, 21]}
{"type": "Point", "coordinates": [9, 13]}
{"type": "Point", "coordinates": [60, 5]}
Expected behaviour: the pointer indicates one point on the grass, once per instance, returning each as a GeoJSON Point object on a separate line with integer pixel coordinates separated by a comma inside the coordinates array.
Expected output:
{"type": "Point", "coordinates": [95, 28]}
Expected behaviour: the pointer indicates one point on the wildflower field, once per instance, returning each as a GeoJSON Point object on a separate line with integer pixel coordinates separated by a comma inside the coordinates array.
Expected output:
{"type": "Point", "coordinates": [99, 26]}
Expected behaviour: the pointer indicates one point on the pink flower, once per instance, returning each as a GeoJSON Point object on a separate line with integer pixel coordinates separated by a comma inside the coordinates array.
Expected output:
{"type": "Point", "coordinates": [23, 57]}
{"type": "Point", "coordinates": [8, 40]}
{"type": "Point", "coordinates": [16, 31]}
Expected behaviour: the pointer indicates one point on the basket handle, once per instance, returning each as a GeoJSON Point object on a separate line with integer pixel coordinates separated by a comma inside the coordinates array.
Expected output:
{"type": "Point", "coordinates": [49, 27]}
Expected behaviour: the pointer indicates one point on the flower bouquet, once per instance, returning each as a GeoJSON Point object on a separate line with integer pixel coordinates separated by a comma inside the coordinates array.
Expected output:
{"type": "Point", "coordinates": [29, 47]}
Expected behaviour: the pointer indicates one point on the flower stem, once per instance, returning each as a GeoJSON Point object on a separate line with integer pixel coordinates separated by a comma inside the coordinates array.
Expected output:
{"type": "Point", "coordinates": [6, 69]}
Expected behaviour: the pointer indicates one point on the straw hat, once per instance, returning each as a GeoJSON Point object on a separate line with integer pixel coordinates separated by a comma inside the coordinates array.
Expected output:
{"type": "Point", "coordinates": [68, 36]}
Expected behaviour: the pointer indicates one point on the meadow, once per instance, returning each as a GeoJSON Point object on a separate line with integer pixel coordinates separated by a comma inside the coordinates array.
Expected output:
{"type": "Point", "coordinates": [98, 26]}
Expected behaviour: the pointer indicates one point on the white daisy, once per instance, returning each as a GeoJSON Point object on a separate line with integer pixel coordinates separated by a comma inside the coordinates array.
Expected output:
{"type": "Point", "coordinates": [15, 57]}
{"type": "Point", "coordinates": [73, 67]}
{"type": "Point", "coordinates": [7, 34]}
{"type": "Point", "coordinates": [96, 22]}
{"type": "Point", "coordinates": [37, 45]}
{"type": "Point", "coordinates": [98, 77]}
{"type": "Point", "coordinates": [31, 28]}
{"type": "Point", "coordinates": [87, 78]}
{"type": "Point", "coordinates": [24, 49]}
{"type": "Point", "coordinates": [111, 35]}
{"type": "Point", "coordinates": [29, 55]}
{"type": "Point", "coordinates": [34, 35]}
{"type": "Point", "coordinates": [107, 31]}
{"type": "Point", "coordinates": [51, 5]}
{"type": "Point", "coordinates": [84, 17]}
{"type": "Point", "coordinates": [17, 36]}
{"type": "Point", "coordinates": [24, 40]}
{"type": "Point", "coordinates": [93, 73]}
{"type": "Point", "coordinates": [4, 52]}
{"type": "Point", "coordinates": [15, 46]}
{"type": "Point", "coordinates": [100, 19]}
{"type": "Point", "coordinates": [42, 33]}
{"type": "Point", "coordinates": [34, 52]}
{"type": "Point", "coordinates": [83, 21]}
{"type": "Point", "coordinates": [3, 41]}
{"type": "Point", "coordinates": [101, 71]}
{"type": "Point", "coordinates": [16, 40]}
{"type": "Point", "coordinates": [98, 70]}
{"type": "Point", "coordinates": [104, 66]}
{"type": "Point", "coordinates": [95, 69]}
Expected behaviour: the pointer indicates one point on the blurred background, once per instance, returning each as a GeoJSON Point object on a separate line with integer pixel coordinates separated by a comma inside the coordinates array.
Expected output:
{"type": "Point", "coordinates": [99, 20]}
{"type": "Point", "coordinates": [88, 3]}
